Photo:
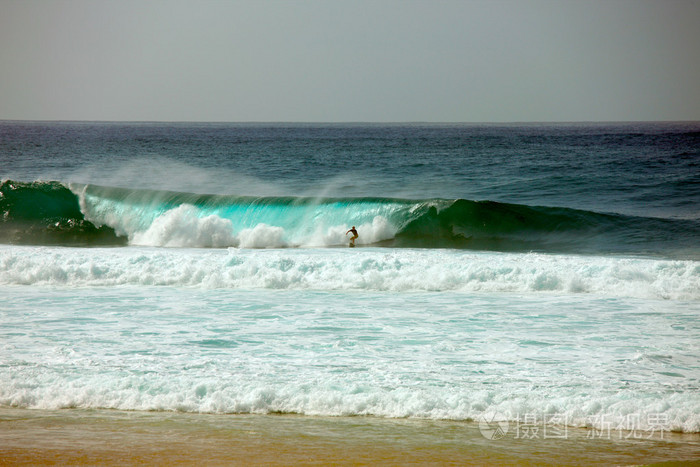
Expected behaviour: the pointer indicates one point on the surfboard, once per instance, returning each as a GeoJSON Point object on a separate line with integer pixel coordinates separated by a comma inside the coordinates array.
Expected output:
{"type": "Point", "coordinates": [351, 245]}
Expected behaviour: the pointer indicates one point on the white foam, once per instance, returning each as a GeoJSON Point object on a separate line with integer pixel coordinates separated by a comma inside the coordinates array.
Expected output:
{"type": "Point", "coordinates": [262, 236]}
{"type": "Point", "coordinates": [585, 359]}
{"type": "Point", "coordinates": [371, 232]}
{"type": "Point", "coordinates": [183, 227]}
{"type": "Point", "coordinates": [373, 269]}
{"type": "Point", "coordinates": [186, 226]}
{"type": "Point", "coordinates": [616, 414]}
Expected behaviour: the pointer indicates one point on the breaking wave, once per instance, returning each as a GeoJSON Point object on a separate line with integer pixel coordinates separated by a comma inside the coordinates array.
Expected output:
{"type": "Point", "coordinates": [53, 213]}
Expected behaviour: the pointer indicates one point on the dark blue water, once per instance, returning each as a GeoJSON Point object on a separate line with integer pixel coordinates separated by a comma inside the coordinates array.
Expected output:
{"type": "Point", "coordinates": [649, 171]}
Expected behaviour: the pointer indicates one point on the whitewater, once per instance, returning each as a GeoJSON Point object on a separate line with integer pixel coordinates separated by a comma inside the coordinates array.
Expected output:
{"type": "Point", "coordinates": [371, 269]}
{"type": "Point", "coordinates": [174, 286]}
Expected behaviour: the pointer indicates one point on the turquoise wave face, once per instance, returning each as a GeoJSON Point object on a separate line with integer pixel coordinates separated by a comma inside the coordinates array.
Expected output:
{"type": "Point", "coordinates": [187, 219]}
{"type": "Point", "coordinates": [90, 214]}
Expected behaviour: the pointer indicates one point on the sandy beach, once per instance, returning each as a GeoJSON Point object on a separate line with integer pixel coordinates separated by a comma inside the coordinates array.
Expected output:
{"type": "Point", "coordinates": [86, 437]}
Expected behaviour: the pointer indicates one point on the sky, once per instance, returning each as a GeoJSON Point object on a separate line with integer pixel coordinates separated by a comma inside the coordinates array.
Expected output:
{"type": "Point", "coordinates": [350, 60]}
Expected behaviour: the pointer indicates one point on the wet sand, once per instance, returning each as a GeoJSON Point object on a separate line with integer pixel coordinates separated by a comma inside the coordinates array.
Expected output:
{"type": "Point", "coordinates": [87, 437]}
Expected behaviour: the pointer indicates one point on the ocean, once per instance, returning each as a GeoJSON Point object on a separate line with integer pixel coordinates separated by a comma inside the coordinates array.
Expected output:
{"type": "Point", "coordinates": [520, 278]}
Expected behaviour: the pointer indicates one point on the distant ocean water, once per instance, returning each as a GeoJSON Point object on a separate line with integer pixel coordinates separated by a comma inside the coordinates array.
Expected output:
{"type": "Point", "coordinates": [500, 270]}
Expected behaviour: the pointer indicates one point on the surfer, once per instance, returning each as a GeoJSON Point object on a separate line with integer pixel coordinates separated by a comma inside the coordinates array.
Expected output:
{"type": "Point", "coordinates": [354, 235]}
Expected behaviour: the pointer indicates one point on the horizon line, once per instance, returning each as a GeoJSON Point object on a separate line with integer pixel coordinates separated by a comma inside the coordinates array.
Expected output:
{"type": "Point", "coordinates": [350, 122]}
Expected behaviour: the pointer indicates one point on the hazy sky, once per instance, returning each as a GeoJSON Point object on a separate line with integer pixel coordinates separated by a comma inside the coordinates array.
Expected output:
{"type": "Point", "coordinates": [350, 60]}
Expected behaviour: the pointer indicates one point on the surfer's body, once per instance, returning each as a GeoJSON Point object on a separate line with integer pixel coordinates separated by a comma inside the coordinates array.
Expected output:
{"type": "Point", "coordinates": [354, 235]}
